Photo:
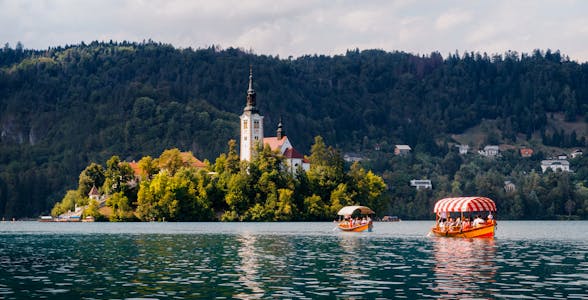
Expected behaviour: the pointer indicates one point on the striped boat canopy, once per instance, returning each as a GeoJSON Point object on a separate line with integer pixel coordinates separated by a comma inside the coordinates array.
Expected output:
{"type": "Point", "coordinates": [464, 204]}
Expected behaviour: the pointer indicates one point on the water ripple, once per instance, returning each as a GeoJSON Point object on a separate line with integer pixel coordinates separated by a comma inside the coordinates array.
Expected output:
{"type": "Point", "coordinates": [315, 263]}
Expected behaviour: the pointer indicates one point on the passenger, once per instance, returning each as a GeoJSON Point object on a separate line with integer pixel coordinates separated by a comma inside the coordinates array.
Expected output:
{"type": "Point", "coordinates": [466, 223]}
{"type": "Point", "coordinates": [490, 218]}
{"type": "Point", "coordinates": [478, 221]}
{"type": "Point", "coordinates": [452, 223]}
{"type": "Point", "coordinates": [457, 222]}
{"type": "Point", "coordinates": [364, 221]}
{"type": "Point", "coordinates": [443, 216]}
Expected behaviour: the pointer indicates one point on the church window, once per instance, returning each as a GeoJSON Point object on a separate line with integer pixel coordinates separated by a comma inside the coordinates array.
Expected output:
{"type": "Point", "coordinates": [245, 138]}
{"type": "Point", "coordinates": [245, 124]}
{"type": "Point", "coordinates": [256, 124]}
{"type": "Point", "coordinates": [256, 138]}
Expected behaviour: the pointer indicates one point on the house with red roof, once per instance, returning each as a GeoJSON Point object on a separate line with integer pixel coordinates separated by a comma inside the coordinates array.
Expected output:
{"type": "Point", "coordinates": [526, 152]}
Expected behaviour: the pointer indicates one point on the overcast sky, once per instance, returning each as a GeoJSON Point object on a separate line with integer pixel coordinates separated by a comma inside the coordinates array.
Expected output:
{"type": "Point", "coordinates": [301, 27]}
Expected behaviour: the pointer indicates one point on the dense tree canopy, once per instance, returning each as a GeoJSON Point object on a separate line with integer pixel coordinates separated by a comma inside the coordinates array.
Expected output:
{"type": "Point", "coordinates": [65, 107]}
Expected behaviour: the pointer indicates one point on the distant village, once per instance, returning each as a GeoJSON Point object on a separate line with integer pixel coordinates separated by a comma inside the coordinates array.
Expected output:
{"type": "Point", "coordinates": [557, 163]}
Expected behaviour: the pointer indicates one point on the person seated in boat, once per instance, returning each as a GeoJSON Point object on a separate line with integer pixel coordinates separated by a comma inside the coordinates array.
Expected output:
{"type": "Point", "coordinates": [441, 225]}
{"type": "Point", "coordinates": [457, 223]}
{"type": "Point", "coordinates": [478, 221]}
{"type": "Point", "coordinates": [364, 221]}
{"type": "Point", "coordinates": [465, 224]}
{"type": "Point", "coordinates": [490, 218]}
{"type": "Point", "coordinates": [442, 217]}
{"type": "Point", "coordinates": [451, 223]}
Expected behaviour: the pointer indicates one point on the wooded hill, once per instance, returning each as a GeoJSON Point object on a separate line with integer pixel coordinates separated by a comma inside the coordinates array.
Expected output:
{"type": "Point", "coordinates": [63, 108]}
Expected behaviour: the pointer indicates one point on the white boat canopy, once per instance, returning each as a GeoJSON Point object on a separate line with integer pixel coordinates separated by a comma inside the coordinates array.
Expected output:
{"type": "Point", "coordinates": [348, 210]}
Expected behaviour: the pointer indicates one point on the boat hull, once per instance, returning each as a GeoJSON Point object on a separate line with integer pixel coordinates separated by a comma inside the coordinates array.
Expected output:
{"type": "Point", "coordinates": [359, 228]}
{"type": "Point", "coordinates": [485, 231]}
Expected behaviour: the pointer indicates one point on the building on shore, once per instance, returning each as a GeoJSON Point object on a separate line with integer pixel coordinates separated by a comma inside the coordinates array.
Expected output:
{"type": "Point", "coordinates": [252, 133]}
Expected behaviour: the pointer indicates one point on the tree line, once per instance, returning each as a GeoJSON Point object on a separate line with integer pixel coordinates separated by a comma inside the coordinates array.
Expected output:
{"type": "Point", "coordinates": [64, 107]}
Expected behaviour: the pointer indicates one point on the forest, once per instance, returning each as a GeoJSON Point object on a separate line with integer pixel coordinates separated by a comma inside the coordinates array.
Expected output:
{"type": "Point", "coordinates": [63, 108]}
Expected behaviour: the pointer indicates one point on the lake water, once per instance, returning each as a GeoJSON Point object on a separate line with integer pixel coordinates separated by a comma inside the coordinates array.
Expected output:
{"type": "Point", "coordinates": [526, 260]}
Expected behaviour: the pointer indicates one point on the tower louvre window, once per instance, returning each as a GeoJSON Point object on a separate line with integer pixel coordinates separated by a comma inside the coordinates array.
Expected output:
{"type": "Point", "coordinates": [256, 124]}
{"type": "Point", "coordinates": [245, 124]}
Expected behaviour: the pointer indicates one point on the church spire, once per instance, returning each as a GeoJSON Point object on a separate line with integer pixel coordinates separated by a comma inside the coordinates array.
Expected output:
{"type": "Point", "coordinates": [251, 94]}
{"type": "Point", "coordinates": [280, 133]}
{"type": "Point", "coordinates": [250, 90]}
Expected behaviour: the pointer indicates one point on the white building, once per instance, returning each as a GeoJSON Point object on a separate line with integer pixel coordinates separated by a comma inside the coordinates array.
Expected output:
{"type": "Point", "coordinates": [352, 157]}
{"type": "Point", "coordinates": [252, 133]}
{"type": "Point", "coordinates": [402, 149]}
{"type": "Point", "coordinates": [463, 149]}
{"type": "Point", "coordinates": [555, 164]}
{"type": "Point", "coordinates": [421, 184]}
{"type": "Point", "coordinates": [490, 151]}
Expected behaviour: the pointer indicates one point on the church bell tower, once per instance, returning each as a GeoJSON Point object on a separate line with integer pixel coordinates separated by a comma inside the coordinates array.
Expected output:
{"type": "Point", "coordinates": [251, 123]}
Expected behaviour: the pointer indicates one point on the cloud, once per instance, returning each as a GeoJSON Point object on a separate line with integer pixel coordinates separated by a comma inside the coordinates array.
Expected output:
{"type": "Point", "coordinates": [298, 27]}
{"type": "Point", "coordinates": [451, 19]}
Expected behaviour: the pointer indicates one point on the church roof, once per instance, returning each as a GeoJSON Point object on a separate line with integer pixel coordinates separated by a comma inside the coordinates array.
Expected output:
{"type": "Point", "coordinates": [274, 143]}
{"type": "Point", "coordinates": [292, 153]}
{"type": "Point", "coordinates": [94, 191]}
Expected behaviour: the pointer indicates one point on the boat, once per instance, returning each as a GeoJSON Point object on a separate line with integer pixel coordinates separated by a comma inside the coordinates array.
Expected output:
{"type": "Point", "coordinates": [458, 206]}
{"type": "Point", "coordinates": [46, 219]}
{"type": "Point", "coordinates": [391, 219]}
{"type": "Point", "coordinates": [355, 218]}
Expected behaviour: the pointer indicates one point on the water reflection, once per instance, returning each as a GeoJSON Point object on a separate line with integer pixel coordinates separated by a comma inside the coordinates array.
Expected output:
{"type": "Point", "coordinates": [464, 267]}
{"type": "Point", "coordinates": [249, 267]}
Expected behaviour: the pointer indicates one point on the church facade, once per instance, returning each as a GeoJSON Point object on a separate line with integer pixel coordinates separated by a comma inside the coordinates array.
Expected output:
{"type": "Point", "coordinates": [252, 133]}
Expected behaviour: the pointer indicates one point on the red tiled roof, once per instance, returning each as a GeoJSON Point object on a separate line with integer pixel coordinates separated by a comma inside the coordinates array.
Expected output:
{"type": "Point", "coordinates": [292, 153]}
{"type": "Point", "coordinates": [274, 143]}
{"type": "Point", "coordinates": [188, 157]}
{"type": "Point", "coordinates": [526, 151]}
{"type": "Point", "coordinates": [135, 167]}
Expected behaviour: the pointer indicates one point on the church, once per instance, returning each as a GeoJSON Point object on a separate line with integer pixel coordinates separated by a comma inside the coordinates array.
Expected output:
{"type": "Point", "coordinates": [252, 133]}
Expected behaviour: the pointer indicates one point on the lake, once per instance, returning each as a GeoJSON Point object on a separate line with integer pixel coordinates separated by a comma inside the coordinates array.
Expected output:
{"type": "Point", "coordinates": [526, 260]}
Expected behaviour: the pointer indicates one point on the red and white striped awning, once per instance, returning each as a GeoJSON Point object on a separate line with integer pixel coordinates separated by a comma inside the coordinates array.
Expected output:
{"type": "Point", "coordinates": [465, 204]}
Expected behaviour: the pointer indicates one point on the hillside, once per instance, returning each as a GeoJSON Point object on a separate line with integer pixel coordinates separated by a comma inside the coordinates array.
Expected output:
{"type": "Point", "coordinates": [65, 107]}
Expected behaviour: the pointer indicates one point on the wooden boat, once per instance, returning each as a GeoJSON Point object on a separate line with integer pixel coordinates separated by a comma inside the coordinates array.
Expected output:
{"type": "Point", "coordinates": [480, 228]}
{"type": "Point", "coordinates": [355, 218]}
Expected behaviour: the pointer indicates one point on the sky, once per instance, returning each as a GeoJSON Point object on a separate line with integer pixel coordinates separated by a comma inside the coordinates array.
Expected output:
{"type": "Point", "coordinates": [300, 27]}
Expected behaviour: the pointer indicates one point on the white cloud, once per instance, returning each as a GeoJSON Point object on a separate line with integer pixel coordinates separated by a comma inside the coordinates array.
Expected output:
{"type": "Point", "coordinates": [291, 27]}
{"type": "Point", "coordinates": [451, 19]}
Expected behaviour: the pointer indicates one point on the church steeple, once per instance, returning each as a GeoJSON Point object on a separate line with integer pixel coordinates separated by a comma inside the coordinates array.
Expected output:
{"type": "Point", "coordinates": [251, 102]}
{"type": "Point", "coordinates": [280, 133]}
{"type": "Point", "coordinates": [251, 123]}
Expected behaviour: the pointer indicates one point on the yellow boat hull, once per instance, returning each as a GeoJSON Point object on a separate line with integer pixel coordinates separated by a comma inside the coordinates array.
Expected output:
{"type": "Point", "coordinates": [485, 231]}
{"type": "Point", "coordinates": [357, 228]}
